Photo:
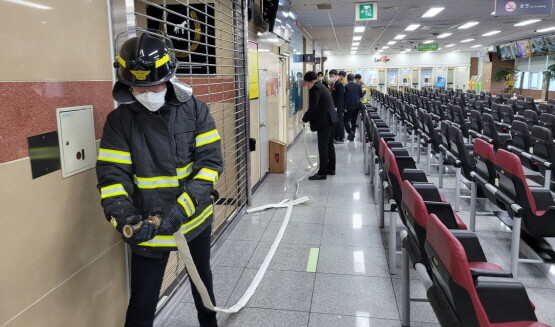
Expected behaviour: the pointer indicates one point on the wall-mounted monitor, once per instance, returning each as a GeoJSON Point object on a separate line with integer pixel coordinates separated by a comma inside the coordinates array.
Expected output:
{"type": "Point", "coordinates": [281, 18]}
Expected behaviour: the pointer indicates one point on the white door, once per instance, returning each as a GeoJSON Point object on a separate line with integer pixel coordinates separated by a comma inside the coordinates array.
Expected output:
{"type": "Point", "coordinates": [262, 119]}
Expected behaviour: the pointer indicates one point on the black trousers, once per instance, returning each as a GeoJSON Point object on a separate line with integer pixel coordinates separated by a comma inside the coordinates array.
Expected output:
{"type": "Point", "coordinates": [350, 121]}
{"type": "Point", "coordinates": [326, 150]}
{"type": "Point", "coordinates": [146, 281]}
{"type": "Point", "coordinates": [339, 133]}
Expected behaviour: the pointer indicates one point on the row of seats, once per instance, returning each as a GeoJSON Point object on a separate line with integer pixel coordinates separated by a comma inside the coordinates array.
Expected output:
{"type": "Point", "coordinates": [462, 287]}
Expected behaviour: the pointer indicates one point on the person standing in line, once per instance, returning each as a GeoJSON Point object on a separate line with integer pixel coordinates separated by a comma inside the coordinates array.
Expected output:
{"type": "Point", "coordinates": [321, 79]}
{"type": "Point", "coordinates": [159, 159]}
{"type": "Point", "coordinates": [322, 118]}
{"type": "Point", "coordinates": [338, 95]}
{"type": "Point", "coordinates": [353, 94]}
{"type": "Point", "coordinates": [358, 80]}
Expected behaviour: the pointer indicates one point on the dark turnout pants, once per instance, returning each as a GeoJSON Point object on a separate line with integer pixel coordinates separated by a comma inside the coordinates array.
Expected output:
{"type": "Point", "coordinates": [146, 281]}
{"type": "Point", "coordinates": [339, 133]}
{"type": "Point", "coordinates": [326, 150]}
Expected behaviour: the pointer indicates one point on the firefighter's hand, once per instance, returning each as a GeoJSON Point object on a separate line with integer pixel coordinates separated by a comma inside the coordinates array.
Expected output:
{"type": "Point", "coordinates": [131, 220]}
{"type": "Point", "coordinates": [146, 232]}
{"type": "Point", "coordinates": [173, 222]}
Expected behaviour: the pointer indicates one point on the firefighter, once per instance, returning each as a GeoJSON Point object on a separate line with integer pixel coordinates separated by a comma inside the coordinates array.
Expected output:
{"type": "Point", "coordinates": [160, 155]}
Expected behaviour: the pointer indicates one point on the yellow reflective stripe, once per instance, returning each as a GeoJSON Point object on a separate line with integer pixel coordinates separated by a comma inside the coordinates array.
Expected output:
{"type": "Point", "coordinates": [187, 203]}
{"type": "Point", "coordinates": [169, 240]}
{"type": "Point", "coordinates": [161, 61]}
{"type": "Point", "coordinates": [207, 174]}
{"type": "Point", "coordinates": [112, 190]}
{"type": "Point", "coordinates": [114, 156]}
{"type": "Point", "coordinates": [114, 222]}
{"type": "Point", "coordinates": [185, 171]}
{"type": "Point", "coordinates": [156, 182]}
{"type": "Point", "coordinates": [121, 61]}
{"type": "Point", "coordinates": [207, 138]}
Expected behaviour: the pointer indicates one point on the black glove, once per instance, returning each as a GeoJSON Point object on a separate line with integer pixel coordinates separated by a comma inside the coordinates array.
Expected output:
{"type": "Point", "coordinates": [173, 222]}
{"type": "Point", "coordinates": [126, 220]}
{"type": "Point", "coordinates": [146, 232]}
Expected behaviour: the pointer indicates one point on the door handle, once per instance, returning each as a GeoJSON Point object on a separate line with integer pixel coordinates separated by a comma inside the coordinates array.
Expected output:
{"type": "Point", "coordinates": [263, 125]}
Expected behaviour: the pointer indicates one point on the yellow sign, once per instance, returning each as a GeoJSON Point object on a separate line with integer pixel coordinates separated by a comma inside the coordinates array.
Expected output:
{"type": "Point", "coordinates": [253, 70]}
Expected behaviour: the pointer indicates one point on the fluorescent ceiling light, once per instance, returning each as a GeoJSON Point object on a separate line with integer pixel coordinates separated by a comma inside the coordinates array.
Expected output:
{"type": "Point", "coordinates": [432, 12]}
{"type": "Point", "coordinates": [412, 27]}
{"type": "Point", "coordinates": [385, 47]}
{"type": "Point", "coordinates": [356, 44]}
{"type": "Point", "coordinates": [29, 4]}
{"type": "Point", "coordinates": [491, 33]}
{"type": "Point", "coordinates": [468, 25]}
{"type": "Point", "coordinates": [450, 45]}
{"type": "Point", "coordinates": [357, 38]}
{"type": "Point", "coordinates": [359, 29]}
{"type": "Point", "coordinates": [399, 37]}
{"type": "Point", "coordinates": [428, 42]}
{"type": "Point", "coordinates": [547, 29]}
{"type": "Point", "coordinates": [527, 22]}
{"type": "Point", "coordinates": [467, 40]}
{"type": "Point", "coordinates": [444, 35]}
{"type": "Point", "coordinates": [391, 42]}
{"type": "Point", "coordinates": [477, 46]}
{"type": "Point", "coordinates": [493, 13]}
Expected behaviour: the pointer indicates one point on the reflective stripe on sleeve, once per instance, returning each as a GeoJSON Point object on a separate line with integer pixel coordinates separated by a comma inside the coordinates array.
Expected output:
{"type": "Point", "coordinates": [208, 175]}
{"type": "Point", "coordinates": [112, 190]}
{"type": "Point", "coordinates": [185, 171]}
{"type": "Point", "coordinates": [156, 182]}
{"type": "Point", "coordinates": [114, 156]}
{"type": "Point", "coordinates": [207, 138]}
{"type": "Point", "coordinates": [185, 201]}
{"type": "Point", "coordinates": [114, 222]}
{"type": "Point", "coordinates": [169, 240]}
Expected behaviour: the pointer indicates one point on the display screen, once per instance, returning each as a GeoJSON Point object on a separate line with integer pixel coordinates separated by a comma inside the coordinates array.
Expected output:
{"type": "Point", "coordinates": [538, 47]}
{"type": "Point", "coordinates": [284, 20]}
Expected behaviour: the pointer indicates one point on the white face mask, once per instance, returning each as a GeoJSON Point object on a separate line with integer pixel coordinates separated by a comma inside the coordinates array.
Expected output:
{"type": "Point", "coordinates": [152, 100]}
{"type": "Point", "coordinates": [320, 78]}
{"type": "Point", "coordinates": [332, 79]}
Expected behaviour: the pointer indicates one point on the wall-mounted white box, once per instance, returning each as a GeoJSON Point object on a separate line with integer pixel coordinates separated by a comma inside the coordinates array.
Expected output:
{"type": "Point", "coordinates": [77, 139]}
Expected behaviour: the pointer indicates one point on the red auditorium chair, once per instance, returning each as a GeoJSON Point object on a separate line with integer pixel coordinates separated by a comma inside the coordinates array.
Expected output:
{"type": "Point", "coordinates": [460, 298]}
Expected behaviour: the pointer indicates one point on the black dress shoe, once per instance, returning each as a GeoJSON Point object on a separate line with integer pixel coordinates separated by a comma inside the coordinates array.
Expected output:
{"type": "Point", "coordinates": [317, 177]}
{"type": "Point", "coordinates": [331, 172]}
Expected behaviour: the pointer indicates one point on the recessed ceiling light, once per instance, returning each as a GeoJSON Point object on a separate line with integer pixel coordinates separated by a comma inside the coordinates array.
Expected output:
{"type": "Point", "coordinates": [432, 12]}
{"type": "Point", "coordinates": [391, 42]}
{"type": "Point", "coordinates": [412, 27]}
{"type": "Point", "coordinates": [399, 37]}
{"type": "Point", "coordinates": [450, 45]}
{"type": "Point", "coordinates": [428, 41]}
{"type": "Point", "coordinates": [385, 47]}
{"type": "Point", "coordinates": [444, 35]}
{"type": "Point", "coordinates": [357, 38]}
{"type": "Point", "coordinates": [547, 29]}
{"type": "Point", "coordinates": [476, 46]}
{"type": "Point", "coordinates": [467, 40]}
{"type": "Point", "coordinates": [359, 29]}
{"type": "Point", "coordinates": [527, 22]}
{"type": "Point", "coordinates": [468, 25]}
{"type": "Point", "coordinates": [356, 44]}
{"type": "Point", "coordinates": [491, 33]}
{"type": "Point", "coordinates": [29, 4]}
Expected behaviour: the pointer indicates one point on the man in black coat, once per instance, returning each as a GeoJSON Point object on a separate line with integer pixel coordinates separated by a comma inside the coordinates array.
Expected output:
{"type": "Point", "coordinates": [322, 117]}
{"type": "Point", "coordinates": [338, 95]}
{"type": "Point", "coordinates": [353, 94]}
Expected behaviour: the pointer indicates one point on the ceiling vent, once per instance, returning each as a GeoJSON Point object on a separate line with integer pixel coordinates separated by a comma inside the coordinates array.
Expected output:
{"type": "Point", "coordinates": [388, 8]}
{"type": "Point", "coordinates": [324, 6]}
{"type": "Point", "coordinates": [438, 27]}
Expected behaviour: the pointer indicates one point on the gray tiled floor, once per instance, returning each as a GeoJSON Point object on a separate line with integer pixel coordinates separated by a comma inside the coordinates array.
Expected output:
{"type": "Point", "coordinates": [352, 286]}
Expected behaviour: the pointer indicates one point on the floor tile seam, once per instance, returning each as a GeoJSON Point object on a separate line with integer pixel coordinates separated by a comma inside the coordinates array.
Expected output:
{"type": "Point", "coordinates": [351, 275]}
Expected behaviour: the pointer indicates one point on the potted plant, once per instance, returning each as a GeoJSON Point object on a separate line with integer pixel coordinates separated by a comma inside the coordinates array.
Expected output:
{"type": "Point", "coordinates": [507, 75]}
{"type": "Point", "coordinates": [548, 75]}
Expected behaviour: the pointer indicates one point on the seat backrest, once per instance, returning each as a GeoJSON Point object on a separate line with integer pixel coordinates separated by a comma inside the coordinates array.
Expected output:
{"type": "Point", "coordinates": [551, 101]}
{"type": "Point", "coordinates": [548, 121]}
{"type": "Point", "coordinates": [496, 111]}
{"type": "Point", "coordinates": [444, 130]}
{"type": "Point", "coordinates": [479, 106]}
{"type": "Point", "coordinates": [451, 273]}
{"type": "Point", "coordinates": [530, 117]}
{"type": "Point", "coordinates": [429, 130]}
{"type": "Point", "coordinates": [520, 107]}
{"type": "Point", "coordinates": [545, 107]}
{"type": "Point", "coordinates": [458, 148]}
{"type": "Point", "coordinates": [507, 113]}
{"type": "Point", "coordinates": [512, 180]}
{"type": "Point", "coordinates": [476, 121]}
{"type": "Point", "coordinates": [490, 130]}
{"type": "Point", "coordinates": [521, 135]}
{"type": "Point", "coordinates": [484, 155]}
{"type": "Point", "coordinates": [542, 142]}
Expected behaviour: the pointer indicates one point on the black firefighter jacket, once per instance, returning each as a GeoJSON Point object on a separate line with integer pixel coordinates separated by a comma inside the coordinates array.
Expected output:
{"type": "Point", "coordinates": [149, 161]}
{"type": "Point", "coordinates": [321, 111]}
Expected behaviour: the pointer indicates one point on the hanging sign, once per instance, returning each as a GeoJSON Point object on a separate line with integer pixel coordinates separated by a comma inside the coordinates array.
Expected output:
{"type": "Point", "coordinates": [428, 46]}
{"type": "Point", "coordinates": [523, 7]}
{"type": "Point", "coordinates": [366, 11]}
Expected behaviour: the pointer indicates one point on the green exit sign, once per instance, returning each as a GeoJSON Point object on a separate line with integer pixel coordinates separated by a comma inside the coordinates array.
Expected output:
{"type": "Point", "coordinates": [367, 11]}
{"type": "Point", "coordinates": [428, 47]}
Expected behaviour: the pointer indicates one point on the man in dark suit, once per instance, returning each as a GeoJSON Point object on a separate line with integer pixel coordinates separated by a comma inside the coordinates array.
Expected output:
{"type": "Point", "coordinates": [338, 95]}
{"type": "Point", "coordinates": [322, 117]}
{"type": "Point", "coordinates": [353, 94]}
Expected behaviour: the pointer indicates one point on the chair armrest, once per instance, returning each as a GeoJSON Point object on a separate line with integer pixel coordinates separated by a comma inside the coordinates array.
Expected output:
{"type": "Point", "coordinates": [469, 147]}
{"type": "Point", "coordinates": [471, 244]}
{"type": "Point", "coordinates": [504, 299]}
{"type": "Point", "coordinates": [542, 197]}
{"type": "Point", "coordinates": [490, 273]}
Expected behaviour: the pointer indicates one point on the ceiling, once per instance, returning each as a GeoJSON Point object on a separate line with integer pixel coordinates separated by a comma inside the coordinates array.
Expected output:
{"type": "Point", "coordinates": [333, 29]}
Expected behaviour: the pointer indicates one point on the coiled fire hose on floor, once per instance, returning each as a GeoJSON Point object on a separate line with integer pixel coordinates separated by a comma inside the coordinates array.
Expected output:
{"type": "Point", "coordinates": [185, 253]}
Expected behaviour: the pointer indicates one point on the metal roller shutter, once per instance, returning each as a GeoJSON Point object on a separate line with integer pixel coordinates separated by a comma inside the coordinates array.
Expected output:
{"type": "Point", "coordinates": [210, 41]}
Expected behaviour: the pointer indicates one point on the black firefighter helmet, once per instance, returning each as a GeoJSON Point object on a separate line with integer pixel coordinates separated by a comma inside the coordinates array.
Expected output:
{"type": "Point", "coordinates": [145, 60]}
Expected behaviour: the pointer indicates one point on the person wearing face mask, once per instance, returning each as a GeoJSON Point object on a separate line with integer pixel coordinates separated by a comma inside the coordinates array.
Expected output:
{"type": "Point", "coordinates": [160, 156]}
{"type": "Point", "coordinates": [338, 95]}
{"type": "Point", "coordinates": [322, 80]}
